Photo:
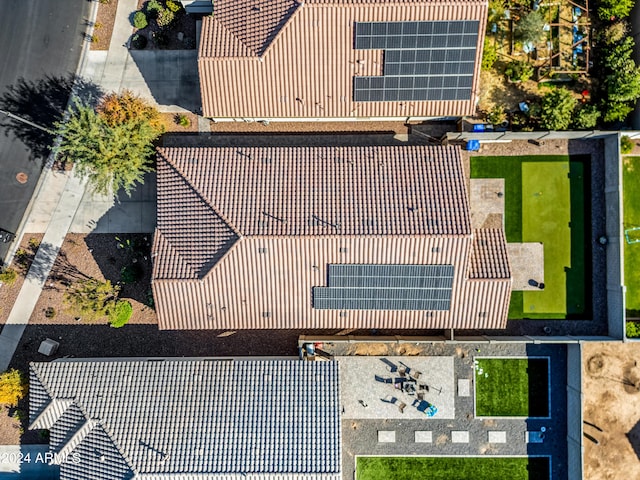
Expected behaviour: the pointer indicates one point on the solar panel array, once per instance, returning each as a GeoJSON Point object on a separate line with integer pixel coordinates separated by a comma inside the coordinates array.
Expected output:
{"type": "Point", "coordinates": [386, 287]}
{"type": "Point", "coordinates": [422, 60]}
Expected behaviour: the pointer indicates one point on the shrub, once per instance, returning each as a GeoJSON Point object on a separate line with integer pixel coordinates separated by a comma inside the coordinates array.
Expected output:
{"type": "Point", "coordinates": [182, 120]}
{"type": "Point", "coordinates": [138, 41]}
{"type": "Point", "coordinates": [13, 388]}
{"type": "Point", "coordinates": [130, 273]}
{"type": "Point", "coordinates": [175, 7]}
{"type": "Point", "coordinates": [496, 11]}
{"type": "Point", "coordinates": [21, 256]}
{"type": "Point", "coordinates": [153, 8]}
{"type": "Point", "coordinates": [557, 109]}
{"type": "Point", "coordinates": [121, 314]}
{"type": "Point", "coordinates": [161, 39]}
{"type": "Point", "coordinates": [497, 115]}
{"type": "Point", "coordinates": [530, 27]}
{"type": "Point", "coordinates": [610, 9]}
{"type": "Point", "coordinates": [633, 329]}
{"type": "Point", "coordinates": [8, 276]}
{"type": "Point", "coordinates": [518, 71]}
{"type": "Point", "coordinates": [626, 145]}
{"type": "Point", "coordinates": [614, 33]}
{"type": "Point", "coordinates": [616, 111]}
{"type": "Point", "coordinates": [165, 17]}
{"type": "Point", "coordinates": [140, 20]}
{"type": "Point", "coordinates": [489, 54]}
{"type": "Point", "coordinates": [586, 117]}
{"type": "Point", "coordinates": [92, 298]}
{"type": "Point", "coordinates": [95, 39]}
{"type": "Point", "coordinates": [34, 244]}
{"type": "Point", "coordinates": [50, 312]}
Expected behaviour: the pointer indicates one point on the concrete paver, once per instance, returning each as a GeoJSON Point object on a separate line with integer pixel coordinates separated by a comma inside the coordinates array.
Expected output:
{"type": "Point", "coordinates": [386, 436]}
{"type": "Point", "coordinates": [423, 436]}
{"type": "Point", "coordinates": [497, 436]}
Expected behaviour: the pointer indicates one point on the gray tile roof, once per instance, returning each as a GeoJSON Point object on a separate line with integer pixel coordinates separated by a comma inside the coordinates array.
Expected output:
{"type": "Point", "coordinates": [191, 418]}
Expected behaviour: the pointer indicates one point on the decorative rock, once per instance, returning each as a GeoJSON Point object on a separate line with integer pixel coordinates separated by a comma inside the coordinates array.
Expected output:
{"type": "Point", "coordinates": [180, 36]}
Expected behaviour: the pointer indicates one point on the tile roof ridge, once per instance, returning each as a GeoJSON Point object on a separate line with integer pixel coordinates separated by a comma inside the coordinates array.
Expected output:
{"type": "Point", "coordinates": [298, 4]}
{"type": "Point", "coordinates": [50, 413]}
{"type": "Point", "coordinates": [160, 237]}
{"type": "Point", "coordinates": [75, 440]}
{"type": "Point", "coordinates": [203, 198]}
{"type": "Point", "coordinates": [250, 51]}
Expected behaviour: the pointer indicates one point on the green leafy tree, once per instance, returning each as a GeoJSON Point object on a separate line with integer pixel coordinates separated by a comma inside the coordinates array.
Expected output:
{"type": "Point", "coordinates": [112, 154]}
{"type": "Point", "coordinates": [92, 299]}
{"type": "Point", "coordinates": [13, 387]}
{"type": "Point", "coordinates": [557, 109]}
{"type": "Point", "coordinates": [609, 9]}
{"type": "Point", "coordinates": [530, 27]}
{"type": "Point", "coordinates": [586, 117]}
{"type": "Point", "coordinates": [616, 111]}
{"type": "Point", "coordinates": [518, 71]}
{"type": "Point", "coordinates": [122, 314]}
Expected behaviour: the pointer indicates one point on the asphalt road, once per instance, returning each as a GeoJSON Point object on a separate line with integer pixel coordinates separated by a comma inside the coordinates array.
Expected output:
{"type": "Point", "coordinates": [40, 39]}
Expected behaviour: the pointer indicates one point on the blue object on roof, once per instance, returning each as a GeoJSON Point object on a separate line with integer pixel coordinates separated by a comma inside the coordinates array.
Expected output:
{"type": "Point", "coordinates": [479, 127]}
{"type": "Point", "coordinates": [473, 145]}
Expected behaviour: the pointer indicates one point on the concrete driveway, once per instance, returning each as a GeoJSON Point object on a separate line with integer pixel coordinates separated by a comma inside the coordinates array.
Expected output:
{"type": "Point", "coordinates": [169, 78]}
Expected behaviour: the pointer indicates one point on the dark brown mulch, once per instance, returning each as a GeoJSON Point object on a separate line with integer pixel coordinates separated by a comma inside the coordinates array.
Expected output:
{"type": "Point", "coordinates": [183, 23]}
{"type": "Point", "coordinates": [103, 27]}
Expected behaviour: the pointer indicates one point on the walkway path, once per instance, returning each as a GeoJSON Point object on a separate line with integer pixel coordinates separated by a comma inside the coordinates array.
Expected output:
{"type": "Point", "coordinates": [58, 216]}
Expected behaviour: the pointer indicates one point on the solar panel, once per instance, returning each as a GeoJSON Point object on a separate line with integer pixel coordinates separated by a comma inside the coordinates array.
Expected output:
{"type": "Point", "coordinates": [386, 287]}
{"type": "Point", "coordinates": [419, 50]}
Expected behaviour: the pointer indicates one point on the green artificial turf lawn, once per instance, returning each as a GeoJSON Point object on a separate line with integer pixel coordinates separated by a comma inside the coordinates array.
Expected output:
{"type": "Point", "coordinates": [515, 387]}
{"type": "Point", "coordinates": [531, 217]}
{"type": "Point", "coordinates": [546, 213]}
{"type": "Point", "coordinates": [452, 468]}
{"type": "Point", "coordinates": [631, 203]}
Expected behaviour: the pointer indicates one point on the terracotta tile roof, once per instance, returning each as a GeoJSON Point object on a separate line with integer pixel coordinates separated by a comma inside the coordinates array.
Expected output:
{"type": "Point", "coordinates": [246, 29]}
{"type": "Point", "coordinates": [393, 205]}
{"type": "Point", "coordinates": [315, 190]}
{"type": "Point", "coordinates": [291, 60]}
{"type": "Point", "coordinates": [193, 236]}
{"type": "Point", "coordinates": [489, 257]}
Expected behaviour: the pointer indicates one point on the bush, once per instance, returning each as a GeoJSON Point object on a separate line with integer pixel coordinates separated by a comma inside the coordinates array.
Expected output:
{"type": "Point", "coordinates": [530, 27]}
{"type": "Point", "coordinates": [153, 8]}
{"type": "Point", "coordinates": [496, 12]}
{"type": "Point", "coordinates": [586, 117]}
{"type": "Point", "coordinates": [614, 33]}
{"type": "Point", "coordinates": [8, 276]}
{"type": "Point", "coordinates": [633, 329]}
{"type": "Point", "coordinates": [497, 115]}
{"type": "Point", "coordinates": [140, 20]}
{"type": "Point", "coordinates": [138, 41]}
{"type": "Point", "coordinates": [50, 312]}
{"type": "Point", "coordinates": [175, 7]}
{"type": "Point", "coordinates": [626, 145]}
{"type": "Point", "coordinates": [518, 71]}
{"type": "Point", "coordinates": [130, 273]}
{"type": "Point", "coordinates": [489, 54]}
{"type": "Point", "coordinates": [122, 314]}
{"type": "Point", "coordinates": [609, 9]}
{"type": "Point", "coordinates": [165, 17]}
{"type": "Point", "coordinates": [557, 109]}
{"type": "Point", "coordinates": [182, 120]}
{"type": "Point", "coordinates": [616, 111]}
{"type": "Point", "coordinates": [34, 244]}
{"type": "Point", "coordinates": [161, 39]}
{"type": "Point", "coordinates": [13, 388]}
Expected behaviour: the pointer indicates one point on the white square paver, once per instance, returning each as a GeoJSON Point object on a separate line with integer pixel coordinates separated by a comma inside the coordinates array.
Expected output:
{"type": "Point", "coordinates": [423, 436]}
{"type": "Point", "coordinates": [464, 387]}
{"type": "Point", "coordinates": [387, 436]}
{"type": "Point", "coordinates": [496, 436]}
{"type": "Point", "coordinates": [460, 436]}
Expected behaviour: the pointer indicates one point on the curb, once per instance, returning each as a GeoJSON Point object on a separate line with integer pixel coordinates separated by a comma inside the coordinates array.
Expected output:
{"type": "Point", "coordinates": [47, 169]}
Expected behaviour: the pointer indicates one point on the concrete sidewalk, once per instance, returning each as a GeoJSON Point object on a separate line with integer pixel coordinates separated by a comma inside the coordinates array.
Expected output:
{"type": "Point", "coordinates": [56, 217]}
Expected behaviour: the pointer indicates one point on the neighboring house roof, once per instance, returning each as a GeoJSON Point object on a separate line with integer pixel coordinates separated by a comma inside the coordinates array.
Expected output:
{"type": "Point", "coordinates": [289, 215]}
{"type": "Point", "coordinates": [168, 418]}
{"type": "Point", "coordinates": [292, 59]}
